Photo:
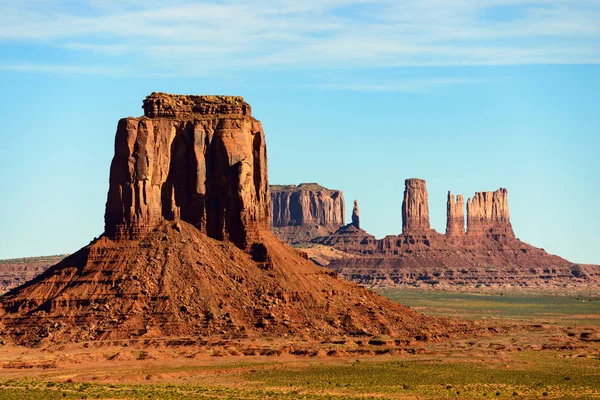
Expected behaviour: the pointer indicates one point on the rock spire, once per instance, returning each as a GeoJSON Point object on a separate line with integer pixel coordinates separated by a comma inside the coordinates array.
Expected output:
{"type": "Point", "coordinates": [415, 208]}
{"type": "Point", "coordinates": [455, 216]}
{"type": "Point", "coordinates": [355, 215]}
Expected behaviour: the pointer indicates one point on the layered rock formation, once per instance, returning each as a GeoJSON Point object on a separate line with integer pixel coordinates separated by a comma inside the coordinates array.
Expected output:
{"type": "Point", "coordinates": [17, 271]}
{"type": "Point", "coordinates": [198, 158]}
{"type": "Point", "coordinates": [455, 216]}
{"type": "Point", "coordinates": [415, 208]}
{"type": "Point", "coordinates": [487, 215]}
{"type": "Point", "coordinates": [488, 254]}
{"type": "Point", "coordinates": [355, 215]}
{"type": "Point", "coordinates": [187, 251]}
{"type": "Point", "coordinates": [300, 213]}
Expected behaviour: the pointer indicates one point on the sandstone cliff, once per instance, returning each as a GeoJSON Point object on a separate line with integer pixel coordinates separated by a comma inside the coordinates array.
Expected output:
{"type": "Point", "coordinates": [455, 217]}
{"type": "Point", "coordinates": [487, 215]}
{"type": "Point", "coordinates": [300, 213]}
{"type": "Point", "coordinates": [415, 208]}
{"type": "Point", "coordinates": [198, 158]}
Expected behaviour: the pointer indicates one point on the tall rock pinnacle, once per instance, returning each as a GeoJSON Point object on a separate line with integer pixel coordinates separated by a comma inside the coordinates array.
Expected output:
{"type": "Point", "coordinates": [415, 208]}
{"type": "Point", "coordinates": [199, 158]}
{"type": "Point", "coordinates": [355, 215]}
{"type": "Point", "coordinates": [455, 217]}
{"type": "Point", "coordinates": [487, 215]}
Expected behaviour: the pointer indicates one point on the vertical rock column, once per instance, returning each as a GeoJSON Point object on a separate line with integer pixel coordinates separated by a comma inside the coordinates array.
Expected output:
{"type": "Point", "coordinates": [355, 215]}
{"type": "Point", "coordinates": [455, 217]}
{"type": "Point", "coordinates": [415, 208]}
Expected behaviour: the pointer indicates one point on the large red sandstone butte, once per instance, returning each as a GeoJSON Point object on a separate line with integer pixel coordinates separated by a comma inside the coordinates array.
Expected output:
{"type": "Point", "coordinates": [201, 159]}
{"type": "Point", "coordinates": [187, 250]}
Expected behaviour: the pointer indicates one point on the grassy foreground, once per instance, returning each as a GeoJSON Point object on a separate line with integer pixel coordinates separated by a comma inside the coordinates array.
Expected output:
{"type": "Point", "coordinates": [527, 376]}
{"type": "Point", "coordinates": [519, 306]}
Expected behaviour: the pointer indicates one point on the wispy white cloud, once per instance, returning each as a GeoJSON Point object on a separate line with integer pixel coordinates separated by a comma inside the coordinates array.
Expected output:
{"type": "Point", "coordinates": [185, 37]}
{"type": "Point", "coordinates": [63, 69]}
{"type": "Point", "coordinates": [403, 86]}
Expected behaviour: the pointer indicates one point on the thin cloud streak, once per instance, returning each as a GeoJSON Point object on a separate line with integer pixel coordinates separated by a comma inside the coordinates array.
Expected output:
{"type": "Point", "coordinates": [63, 69]}
{"type": "Point", "coordinates": [326, 34]}
{"type": "Point", "coordinates": [415, 86]}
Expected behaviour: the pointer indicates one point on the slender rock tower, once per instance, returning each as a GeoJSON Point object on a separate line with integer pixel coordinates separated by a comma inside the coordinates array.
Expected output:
{"type": "Point", "coordinates": [415, 208]}
{"type": "Point", "coordinates": [455, 217]}
{"type": "Point", "coordinates": [355, 215]}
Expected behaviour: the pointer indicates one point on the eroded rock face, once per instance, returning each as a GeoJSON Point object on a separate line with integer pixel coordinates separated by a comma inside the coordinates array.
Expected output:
{"type": "Point", "coordinates": [300, 213]}
{"type": "Point", "coordinates": [415, 208]}
{"type": "Point", "coordinates": [199, 158]}
{"type": "Point", "coordinates": [355, 215]}
{"type": "Point", "coordinates": [487, 215]}
{"type": "Point", "coordinates": [488, 255]}
{"type": "Point", "coordinates": [455, 219]}
{"type": "Point", "coordinates": [305, 204]}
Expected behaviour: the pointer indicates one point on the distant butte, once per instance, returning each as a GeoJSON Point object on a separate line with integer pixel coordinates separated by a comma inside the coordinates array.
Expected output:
{"type": "Point", "coordinates": [486, 253]}
{"type": "Point", "coordinates": [301, 213]}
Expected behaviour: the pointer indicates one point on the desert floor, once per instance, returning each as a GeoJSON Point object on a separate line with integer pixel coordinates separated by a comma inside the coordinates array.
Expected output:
{"type": "Point", "coordinates": [546, 345]}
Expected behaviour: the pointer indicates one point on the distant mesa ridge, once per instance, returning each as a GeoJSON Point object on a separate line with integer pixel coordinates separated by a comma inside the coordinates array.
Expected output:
{"type": "Point", "coordinates": [313, 205]}
{"type": "Point", "coordinates": [484, 252]}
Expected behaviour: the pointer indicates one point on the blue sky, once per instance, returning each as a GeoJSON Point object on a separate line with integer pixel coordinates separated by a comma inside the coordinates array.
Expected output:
{"type": "Point", "coordinates": [356, 95]}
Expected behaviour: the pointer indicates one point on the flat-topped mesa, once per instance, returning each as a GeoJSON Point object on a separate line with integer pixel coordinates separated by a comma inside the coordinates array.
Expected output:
{"type": "Point", "coordinates": [415, 208]}
{"type": "Point", "coordinates": [199, 158]}
{"type": "Point", "coordinates": [487, 215]}
{"type": "Point", "coordinates": [179, 106]}
{"type": "Point", "coordinates": [355, 215]}
{"type": "Point", "coordinates": [455, 216]}
{"type": "Point", "coordinates": [306, 204]}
